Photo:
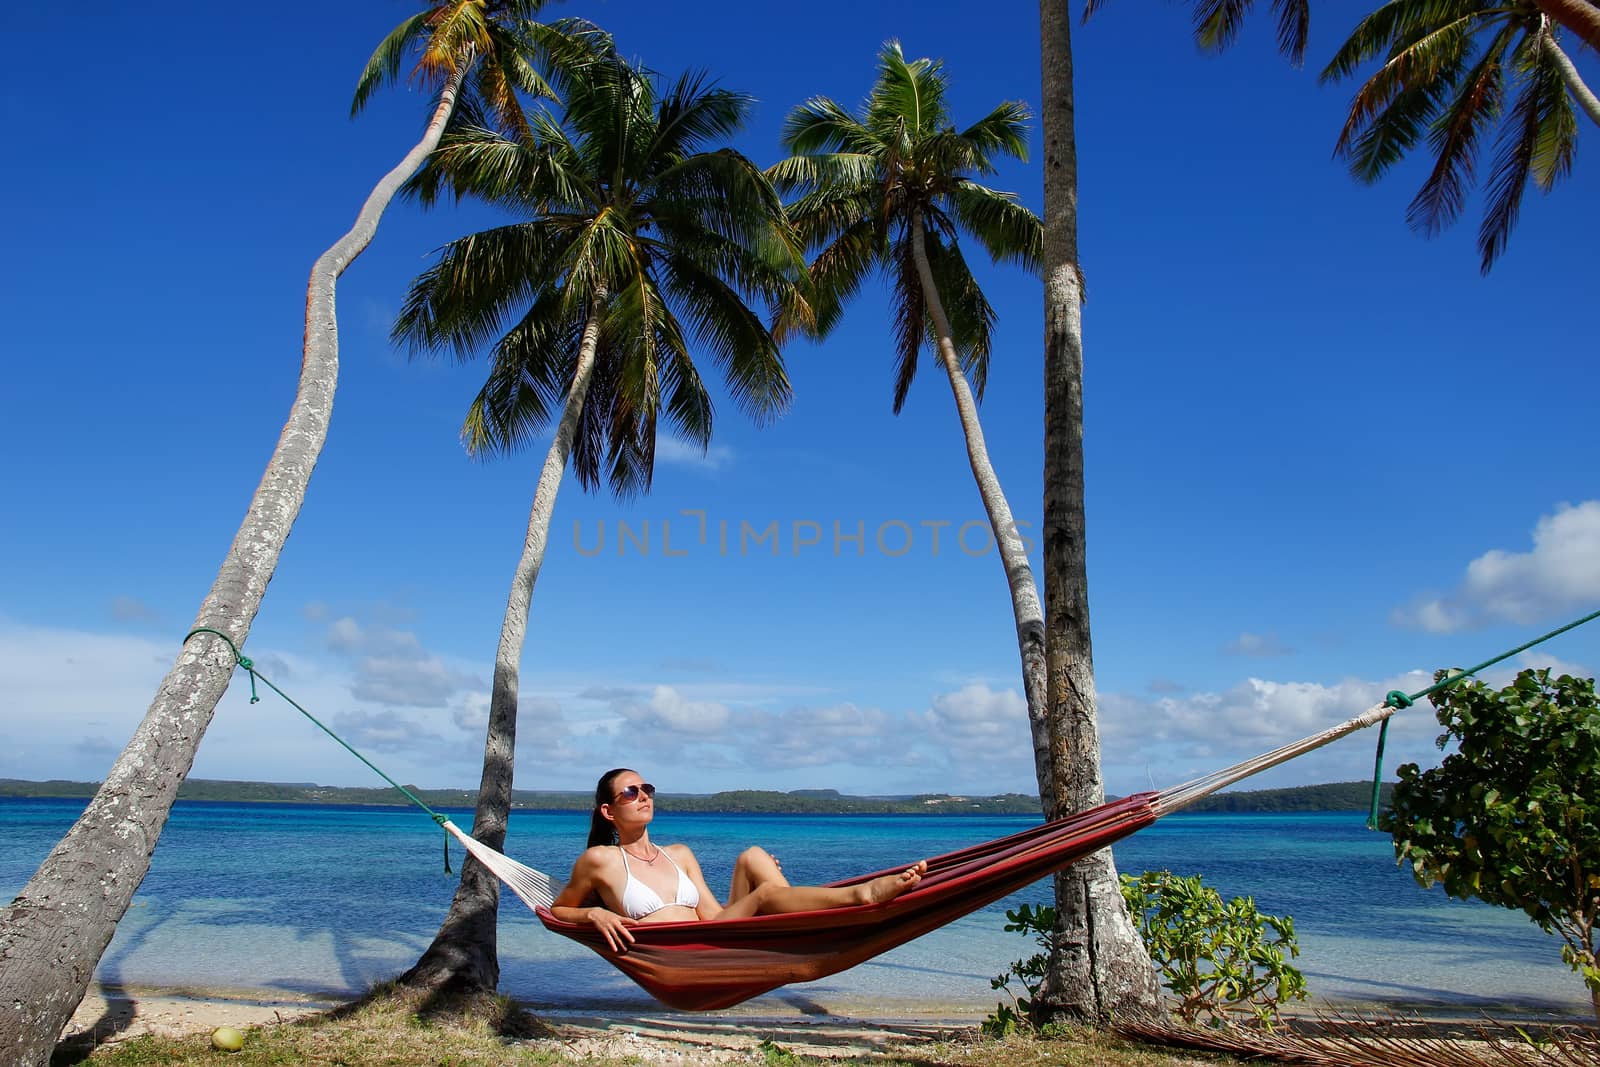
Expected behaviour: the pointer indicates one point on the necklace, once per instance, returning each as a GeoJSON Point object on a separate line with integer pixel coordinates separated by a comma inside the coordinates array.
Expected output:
{"type": "Point", "coordinates": [644, 859]}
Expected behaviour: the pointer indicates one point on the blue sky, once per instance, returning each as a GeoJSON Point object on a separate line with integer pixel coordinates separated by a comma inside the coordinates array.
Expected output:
{"type": "Point", "coordinates": [1324, 453]}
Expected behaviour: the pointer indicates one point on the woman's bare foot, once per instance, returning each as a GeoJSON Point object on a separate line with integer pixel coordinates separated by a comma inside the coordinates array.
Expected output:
{"type": "Point", "coordinates": [882, 890]}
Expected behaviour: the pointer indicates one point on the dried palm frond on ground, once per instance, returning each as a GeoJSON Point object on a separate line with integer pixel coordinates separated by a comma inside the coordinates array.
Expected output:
{"type": "Point", "coordinates": [1355, 1040]}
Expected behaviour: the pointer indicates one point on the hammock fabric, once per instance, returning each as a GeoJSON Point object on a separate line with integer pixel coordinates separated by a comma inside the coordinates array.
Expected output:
{"type": "Point", "coordinates": [702, 966]}
{"type": "Point", "coordinates": [709, 964]}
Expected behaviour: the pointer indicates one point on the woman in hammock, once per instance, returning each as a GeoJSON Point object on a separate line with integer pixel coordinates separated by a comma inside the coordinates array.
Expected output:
{"type": "Point", "coordinates": [624, 878]}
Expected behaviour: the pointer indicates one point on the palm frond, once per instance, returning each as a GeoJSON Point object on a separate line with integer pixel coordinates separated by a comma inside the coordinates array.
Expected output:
{"type": "Point", "coordinates": [591, 439]}
{"type": "Point", "coordinates": [691, 113]}
{"type": "Point", "coordinates": [560, 51]}
{"type": "Point", "coordinates": [725, 326]}
{"type": "Point", "coordinates": [1393, 108]}
{"type": "Point", "coordinates": [836, 276]}
{"type": "Point", "coordinates": [1217, 24]}
{"type": "Point", "coordinates": [495, 89]}
{"type": "Point", "coordinates": [458, 33]}
{"type": "Point", "coordinates": [971, 317]}
{"type": "Point", "coordinates": [831, 169]}
{"type": "Point", "coordinates": [724, 192]}
{"type": "Point", "coordinates": [821, 125]}
{"type": "Point", "coordinates": [462, 301]}
{"type": "Point", "coordinates": [383, 68]}
{"type": "Point", "coordinates": [1455, 140]}
{"type": "Point", "coordinates": [910, 318]}
{"type": "Point", "coordinates": [478, 162]}
{"type": "Point", "coordinates": [530, 372]}
{"type": "Point", "coordinates": [820, 216]}
{"type": "Point", "coordinates": [1010, 232]}
{"type": "Point", "coordinates": [1004, 131]}
{"type": "Point", "coordinates": [908, 99]}
{"type": "Point", "coordinates": [1538, 141]}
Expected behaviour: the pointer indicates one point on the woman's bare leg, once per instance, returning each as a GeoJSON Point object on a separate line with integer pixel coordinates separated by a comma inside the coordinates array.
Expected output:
{"type": "Point", "coordinates": [755, 867]}
{"type": "Point", "coordinates": [771, 898]}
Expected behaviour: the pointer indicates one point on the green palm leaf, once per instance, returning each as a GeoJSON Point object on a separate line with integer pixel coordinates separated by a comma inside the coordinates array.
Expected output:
{"type": "Point", "coordinates": [859, 184]}
{"type": "Point", "coordinates": [384, 66]}
{"type": "Point", "coordinates": [634, 220]}
{"type": "Point", "coordinates": [1443, 72]}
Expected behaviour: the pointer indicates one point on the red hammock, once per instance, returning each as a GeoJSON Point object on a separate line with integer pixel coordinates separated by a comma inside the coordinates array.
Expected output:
{"type": "Point", "coordinates": [710, 964]}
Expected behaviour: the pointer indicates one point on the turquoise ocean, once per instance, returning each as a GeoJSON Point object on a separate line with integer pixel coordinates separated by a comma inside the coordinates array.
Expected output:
{"type": "Point", "coordinates": [330, 899]}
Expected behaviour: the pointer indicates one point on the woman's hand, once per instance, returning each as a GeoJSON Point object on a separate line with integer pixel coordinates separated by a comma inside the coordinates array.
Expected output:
{"type": "Point", "coordinates": [613, 927]}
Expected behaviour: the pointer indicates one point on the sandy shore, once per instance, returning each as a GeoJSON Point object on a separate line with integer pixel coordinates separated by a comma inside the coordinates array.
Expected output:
{"type": "Point", "coordinates": [664, 1037]}
{"type": "Point", "coordinates": [119, 1013]}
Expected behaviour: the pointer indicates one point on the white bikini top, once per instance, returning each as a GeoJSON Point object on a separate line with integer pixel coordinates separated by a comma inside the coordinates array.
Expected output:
{"type": "Point", "coordinates": [639, 900]}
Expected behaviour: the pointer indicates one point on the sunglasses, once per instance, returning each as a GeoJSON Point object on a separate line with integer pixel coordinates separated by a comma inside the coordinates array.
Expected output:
{"type": "Point", "coordinates": [630, 794]}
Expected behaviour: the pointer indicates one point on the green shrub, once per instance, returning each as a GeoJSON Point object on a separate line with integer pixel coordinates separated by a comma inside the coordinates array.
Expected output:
{"type": "Point", "coordinates": [1222, 959]}
{"type": "Point", "coordinates": [1040, 922]}
{"type": "Point", "coordinates": [1513, 816]}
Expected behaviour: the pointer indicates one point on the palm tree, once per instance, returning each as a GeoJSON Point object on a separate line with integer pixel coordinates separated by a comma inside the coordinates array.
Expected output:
{"type": "Point", "coordinates": [638, 239]}
{"type": "Point", "coordinates": [1449, 71]}
{"type": "Point", "coordinates": [1098, 967]}
{"type": "Point", "coordinates": [53, 934]}
{"type": "Point", "coordinates": [893, 188]}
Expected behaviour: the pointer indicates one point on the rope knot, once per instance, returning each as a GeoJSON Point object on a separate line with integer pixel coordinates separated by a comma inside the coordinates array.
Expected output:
{"type": "Point", "coordinates": [1397, 699]}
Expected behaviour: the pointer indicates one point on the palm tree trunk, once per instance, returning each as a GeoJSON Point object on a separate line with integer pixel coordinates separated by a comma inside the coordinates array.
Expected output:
{"type": "Point", "coordinates": [463, 956]}
{"type": "Point", "coordinates": [1098, 966]}
{"type": "Point", "coordinates": [1574, 81]}
{"type": "Point", "coordinates": [1013, 557]}
{"type": "Point", "coordinates": [1582, 17]}
{"type": "Point", "coordinates": [54, 933]}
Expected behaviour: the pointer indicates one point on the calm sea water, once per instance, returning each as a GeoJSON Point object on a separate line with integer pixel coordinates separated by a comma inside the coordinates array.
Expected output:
{"type": "Point", "coordinates": [333, 899]}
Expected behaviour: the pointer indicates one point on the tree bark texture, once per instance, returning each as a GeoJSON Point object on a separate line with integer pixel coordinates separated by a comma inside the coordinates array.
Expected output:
{"type": "Point", "coordinates": [1099, 968]}
{"type": "Point", "coordinates": [54, 933]}
{"type": "Point", "coordinates": [463, 956]}
{"type": "Point", "coordinates": [1013, 555]}
{"type": "Point", "coordinates": [1574, 81]}
{"type": "Point", "coordinates": [1580, 16]}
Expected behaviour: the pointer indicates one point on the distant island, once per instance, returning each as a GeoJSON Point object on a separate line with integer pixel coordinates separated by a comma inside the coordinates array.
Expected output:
{"type": "Point", "coordinates": [1334, 796]}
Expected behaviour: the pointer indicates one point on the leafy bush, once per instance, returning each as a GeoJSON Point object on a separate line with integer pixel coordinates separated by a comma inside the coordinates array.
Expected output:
{"type": "Point", "coordinates": [1220, 958]}
{"type": "Point", "coordinates": [1513, 816]}
{"type": "Point", "coordinates": [1029, 973]}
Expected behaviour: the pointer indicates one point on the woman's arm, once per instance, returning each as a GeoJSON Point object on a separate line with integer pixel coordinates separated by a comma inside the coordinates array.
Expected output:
{"type": "Point", "coordinates": [572, 905]}
{"type": "Point", "coordinates": [709, 907]}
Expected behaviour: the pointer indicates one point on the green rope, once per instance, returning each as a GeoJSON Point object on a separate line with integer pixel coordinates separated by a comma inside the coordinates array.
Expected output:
{"type": "Point", "coordinates": [1377, 773]}
{"type": "Point", "coordinates": [254, 674]}
{"type": "Point", "coordinates": [1397, 700]}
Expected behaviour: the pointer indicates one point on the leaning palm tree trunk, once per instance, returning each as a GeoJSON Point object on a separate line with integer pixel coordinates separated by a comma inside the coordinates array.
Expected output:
{"type": "Point", "coordinates": [463, 956]}
{"type": "Point", "coordinates": [1582, 17]}
{"type": "Point", "coordinates": [1571, 78]}
{"type": "Point", "coordinates": [53, 934]}
{"type": "Point", "coordinates": [1098, 965]}
{"type": "Point", "coordinates": [1013, 557]}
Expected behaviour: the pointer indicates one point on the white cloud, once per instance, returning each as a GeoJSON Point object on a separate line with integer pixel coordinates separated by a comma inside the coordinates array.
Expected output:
{"type": "Point", "coordinates": [1561, 571]}
{"type": "Point", "coordinates": [837, 734]}
{"type": "Point", "coordinates": [422, 682]}
{"type": "Point", "coordinates": [386, 731]}
{"type": "Point", "coordinates": [70, 699]}
{"type": "Point", "coordinates": [393, 668]}
{"type": "Point", "coordinates": [688, 454]}
{"type": "Point", "coordinates": [663, 709]}
{"type": "Point", "coordinates": [976, 719]}
{"type": "Point", "coordinates": [1166, 741]}
{"type": "Point", "coordinates": [1556, 666]}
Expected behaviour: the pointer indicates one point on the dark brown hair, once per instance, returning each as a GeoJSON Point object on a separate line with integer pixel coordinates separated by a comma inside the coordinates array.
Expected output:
{"type": "Point", "coordinates": [601, 832]}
